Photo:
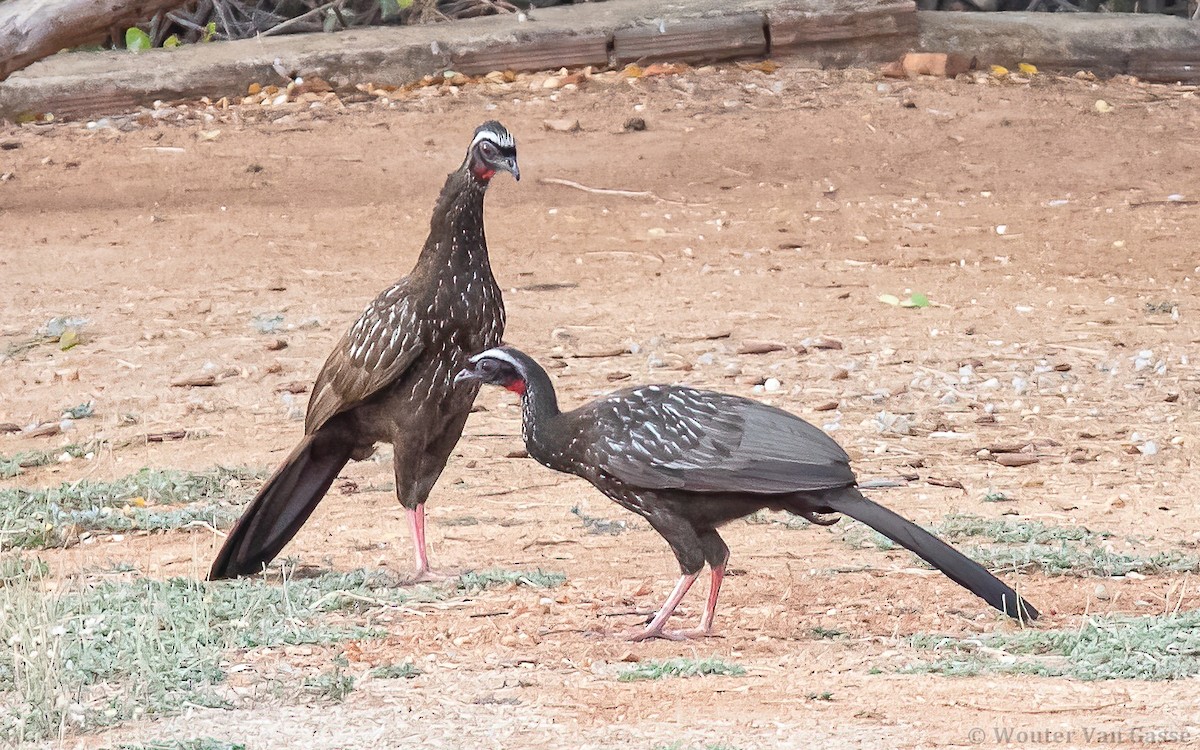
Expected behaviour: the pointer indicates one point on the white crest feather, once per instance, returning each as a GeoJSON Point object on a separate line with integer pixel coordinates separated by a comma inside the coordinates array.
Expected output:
{"type": "Point", "coordinates": [499, 354]}
{"type": "Point", "coordinates": [503, 140]}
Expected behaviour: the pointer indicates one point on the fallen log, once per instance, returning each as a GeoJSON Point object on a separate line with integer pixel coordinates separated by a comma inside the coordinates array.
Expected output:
{"type": "Point", "coordinates": [33, 29]}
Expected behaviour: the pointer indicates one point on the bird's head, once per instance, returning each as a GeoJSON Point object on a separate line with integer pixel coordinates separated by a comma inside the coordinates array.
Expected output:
{"type": "Point", "coordinates": [502, 366]}
{"type": "Point", "coordinates": [492, 150]}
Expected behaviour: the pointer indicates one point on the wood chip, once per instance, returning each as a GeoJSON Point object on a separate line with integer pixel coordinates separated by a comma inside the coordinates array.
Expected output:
{"type": "Point", "coordinates": [296, 386]}
{"type": "Point", "coordinates": [517, 454]}
{"type": "Point", "coordinates": [45, 430]}
{"type": "Point", "coordinates": [1009, 447]}
{"type": "Point", "coordinates": [827, 406]}
{"type": "Point", "coordinates": [195, 381]}
{"type": "Point", "coordinates": [613, 377]}
{"type": "Point", "coordinates": [1015, 459]}
{"type": "Point", "coordinates": [823, 343]}
{"type": "Point", "coordinates": [9, 427]}
{"type": "Point", "coordinates": [945, 483]}
{"type": "Point", "coordinates": [616, 351]}
{"type": "Point", "coordinates": [162, 437]}
{"type": "Point", "coordinates": [276, 345]}
{"type": "Point", "coordinates": [760, 347]}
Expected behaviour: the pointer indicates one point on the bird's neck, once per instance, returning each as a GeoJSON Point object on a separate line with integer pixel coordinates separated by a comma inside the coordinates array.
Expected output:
{"type": "Point", "coordinates": [456, 239]}
{"type": "Point", "coordinates": [539, 416]}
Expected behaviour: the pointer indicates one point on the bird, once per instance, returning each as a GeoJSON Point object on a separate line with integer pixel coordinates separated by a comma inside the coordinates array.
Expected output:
{"type": "Point", "coordinates": [689, 461]}
{"type": "Point", "coordinates": [390, 379]}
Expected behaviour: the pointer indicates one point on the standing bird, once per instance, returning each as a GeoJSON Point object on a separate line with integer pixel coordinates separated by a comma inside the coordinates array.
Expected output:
{"type": "Point", "coordinates": [689, 461]}
{"type": "Point", "coordinates": [391, 377]}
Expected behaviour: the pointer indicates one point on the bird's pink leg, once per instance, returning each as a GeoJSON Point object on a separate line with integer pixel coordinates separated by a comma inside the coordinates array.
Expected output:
{"type": "Point", "coordinates": [416, 524]}
{"type": "Point", "coordinates": [655, 628]}
{"type": "Point", "coordinates": [710, 610]}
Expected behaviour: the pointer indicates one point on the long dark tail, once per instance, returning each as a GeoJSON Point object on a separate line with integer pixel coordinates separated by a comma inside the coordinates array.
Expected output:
{"type": "Point", "coordinates": [958, 567]}
{"type": "Point", "coordinates": [282, 506]}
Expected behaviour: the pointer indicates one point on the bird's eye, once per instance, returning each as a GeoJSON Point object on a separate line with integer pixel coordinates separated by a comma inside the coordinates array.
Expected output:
{"type": "Point", "coordinates": [488, 148]}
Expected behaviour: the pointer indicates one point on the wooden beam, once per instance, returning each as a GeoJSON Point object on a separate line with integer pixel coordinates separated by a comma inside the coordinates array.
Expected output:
{"type": "Point", "coordinates": [692, 40]}
{"type": "Point", "coordinates": [538, 51]}
{"type": "Point", "coordinates": [878, 31]}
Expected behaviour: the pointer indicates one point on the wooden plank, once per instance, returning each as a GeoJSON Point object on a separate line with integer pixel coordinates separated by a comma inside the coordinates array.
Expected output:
{"type": "Point", "coordinates": [86, 104]}
{"type": "Point", "coordinates": [877, 32]}
{"type": "Point", "coordinates": [1158, 70]}
{"type": "Point", "coordinates": [534, 52]}
{"type": "Point", "coordinates": [693, 40]}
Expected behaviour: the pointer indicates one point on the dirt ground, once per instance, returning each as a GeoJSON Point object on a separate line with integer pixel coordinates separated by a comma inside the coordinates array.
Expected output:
{"type": "Point", "coordinates": [763, 207]}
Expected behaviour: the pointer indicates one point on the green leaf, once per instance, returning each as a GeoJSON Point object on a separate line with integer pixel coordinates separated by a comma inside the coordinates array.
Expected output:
{"type": "Point", "coordinates": [172, 41]}
{"type": "Point", "coordinates": [210, 31]}
{"type": "Point", "coordinates": [917, 300]}
{"type": "Point", "coordinates": [404, 4]}
{"type": "Point", "coordinates": [137, 40]}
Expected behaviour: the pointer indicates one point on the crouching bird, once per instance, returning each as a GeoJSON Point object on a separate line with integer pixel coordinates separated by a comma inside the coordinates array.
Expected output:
{"type": "Point", "coordinates": [689, 461]}
{"type": "Point", "coordinates": [390, 379]}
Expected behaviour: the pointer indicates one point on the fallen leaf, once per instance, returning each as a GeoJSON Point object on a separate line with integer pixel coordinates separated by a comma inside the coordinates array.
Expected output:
{"type": "Point", "coordinates": [1027, 69]}
{"type": "Point", "coordinates": [889, 299]}
{"type": "Point", "coordinates": [1103, 107]}
{"type": "Point", "coordinates": [999, 71]}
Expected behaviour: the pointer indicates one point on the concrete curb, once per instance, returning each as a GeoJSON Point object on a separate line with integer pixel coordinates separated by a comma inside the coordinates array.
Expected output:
{"type": "Point", "coordinates": [839, 33]}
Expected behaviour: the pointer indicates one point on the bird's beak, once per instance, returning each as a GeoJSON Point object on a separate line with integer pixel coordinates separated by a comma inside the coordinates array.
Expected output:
{"type": "Point", "coordinates": [510, 164]}
{"type": "Point", "coordinates": [465, 374]}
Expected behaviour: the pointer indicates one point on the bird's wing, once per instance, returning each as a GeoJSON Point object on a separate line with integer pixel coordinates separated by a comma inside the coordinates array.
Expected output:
{"type": "Point", "coordinates": [662, 437]}
{"type": "Point", "coordinates": [384, 341]}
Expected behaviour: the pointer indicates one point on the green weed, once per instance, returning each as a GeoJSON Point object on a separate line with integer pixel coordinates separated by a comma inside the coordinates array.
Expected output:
{"type": "Point", "coordinates": [656, 670]}
{"type": "Point", "coordinates": [482, 579]}
{"type": "Point", "coordinates": [1163, 647]}
{"type": "Point", "coordinates": [55, 516]}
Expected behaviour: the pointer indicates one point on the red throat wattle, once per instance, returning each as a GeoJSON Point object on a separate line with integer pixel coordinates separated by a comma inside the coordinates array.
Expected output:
{"type": "Point", "coordinates": [517, 386]}
{"type": "Point", "coordinates": [482, 172]}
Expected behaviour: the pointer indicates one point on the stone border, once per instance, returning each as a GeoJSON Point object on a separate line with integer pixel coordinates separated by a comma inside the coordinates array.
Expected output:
{"type": "Point", "coordinates": [818, 33]}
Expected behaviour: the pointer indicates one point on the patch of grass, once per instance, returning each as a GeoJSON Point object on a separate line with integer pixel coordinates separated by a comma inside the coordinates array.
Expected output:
{"type": "Point", "coordinates": [15, 568]}
{"type": "Point", "coordinates": [599, 525]}
{"type": "Point", "coordinates": [335, 684]}
{"type": "Point", "coordinates": [405, 670]}
{"type": "Point", "coordinates": [55, 516]}
{"type": "Point", "coordinates": [197, 743]}
{"type": "Point", "coordinates": [1164, 647]}
{"type": "Point", "coordinates": [11, 466]}
{"type": "Point", "coordinates": [1068, 560]}
{"type": "Point", "coordinates": [656, 670]}
{"type": "Point", "coordinates": [828, 633]}
{"type": "Point", "coordinates": [74, 655]}
{"type": "Point", "coordinates": [778, 518]}
{"type": "Point", "coordinates": [477, 580]}
{"type": "Point", "coordinates": [1035, 546]}
{"type": "Point", "coordinates": [1008, 531]}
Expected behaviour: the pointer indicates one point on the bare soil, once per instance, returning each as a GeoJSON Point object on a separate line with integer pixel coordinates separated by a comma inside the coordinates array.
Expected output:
{"type": "Point", "coordinates": [1040, 227]}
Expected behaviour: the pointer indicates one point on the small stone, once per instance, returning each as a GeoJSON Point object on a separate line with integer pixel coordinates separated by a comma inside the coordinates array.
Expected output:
{"type": "Point", "coordinates": [1015, 459]}
{"type": "Point", "coordinates": [562, 126]}
{"type": "Point", "coordinates": [771, 385]}
{"type": "Point", "coordinates": [1100, 592]}
{"type": "Point", "coordinates": [635, 125]}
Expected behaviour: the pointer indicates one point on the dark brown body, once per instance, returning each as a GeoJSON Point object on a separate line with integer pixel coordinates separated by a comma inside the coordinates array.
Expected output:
{"type": "Point", "coordinates": [389, 380]}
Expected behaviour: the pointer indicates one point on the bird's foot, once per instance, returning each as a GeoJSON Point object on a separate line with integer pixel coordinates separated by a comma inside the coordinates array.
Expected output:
{"type": "Point", "coordinates": [646, 634]}
{"type": "Point", "coordinates": [429, 575]}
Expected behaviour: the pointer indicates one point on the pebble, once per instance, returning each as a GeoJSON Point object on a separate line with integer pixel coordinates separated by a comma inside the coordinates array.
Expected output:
{"type": "Point", "coordinates": [771, 385]}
